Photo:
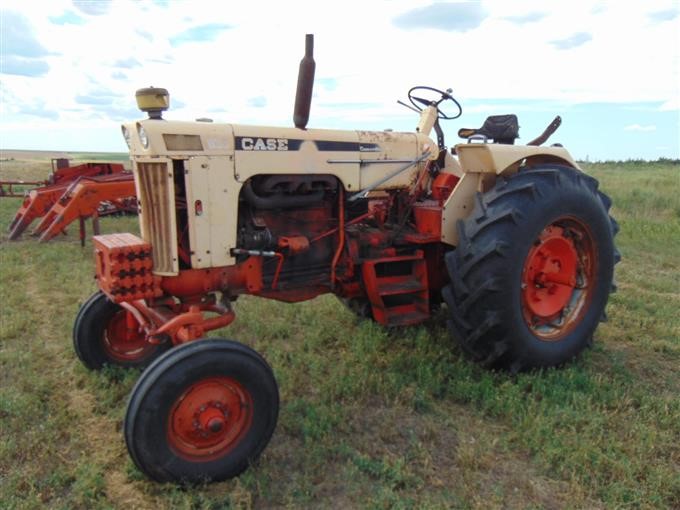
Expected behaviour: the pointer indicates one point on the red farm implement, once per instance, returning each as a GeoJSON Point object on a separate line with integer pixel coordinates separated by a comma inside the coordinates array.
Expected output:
{"type": "Point", "coordinates": [77, 192]}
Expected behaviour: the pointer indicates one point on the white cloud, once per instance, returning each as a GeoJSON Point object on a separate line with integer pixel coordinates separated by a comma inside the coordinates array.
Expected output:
{"type": "Point", "coordinates": [638, 127]}
{"type": "Point", "coordinates": [93, 7]}
{"type": "Point", "coordinates": [446, 16]}
{"type": "Point", "coordinates": [573, 41]}
{"type": "Point", "coordinates": [665, 15]}
{"type": "Point", "coordinates": [248, 57]}
{"type": "Point", "coordinates": [672, 104]}
{"type": "Point", "coordinates": [21, 66]}
{"type": "Point", "coordinates": [530, 17]}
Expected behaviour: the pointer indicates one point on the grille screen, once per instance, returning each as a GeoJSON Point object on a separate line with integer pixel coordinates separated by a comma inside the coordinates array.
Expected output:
{"type": "Point", "coordinates": [157, 214]}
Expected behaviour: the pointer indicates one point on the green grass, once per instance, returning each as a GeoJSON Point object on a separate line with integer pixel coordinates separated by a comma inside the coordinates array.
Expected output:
{"type": "Point", "coordinates": [369, 418]}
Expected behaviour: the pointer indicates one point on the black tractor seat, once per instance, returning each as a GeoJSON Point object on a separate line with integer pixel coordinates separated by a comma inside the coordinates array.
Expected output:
{"type": "Point", "coordinates": [499, 128]}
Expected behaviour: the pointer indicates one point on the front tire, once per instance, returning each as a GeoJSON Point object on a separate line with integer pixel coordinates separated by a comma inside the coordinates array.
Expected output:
{"type": "Point", "coordinates": [533, 269]}
{"type": "Point", "coordinates": [104, 333]}
{"type": "Point", "coordinates": [203, 412]}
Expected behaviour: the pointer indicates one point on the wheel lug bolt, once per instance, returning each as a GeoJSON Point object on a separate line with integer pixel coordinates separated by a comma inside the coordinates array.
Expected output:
{"type": "Point", "coordinates": [215, 425]}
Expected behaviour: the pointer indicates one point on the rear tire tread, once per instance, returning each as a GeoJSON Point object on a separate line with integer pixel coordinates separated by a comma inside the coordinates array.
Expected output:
{"type": "Point", "coordinates": [482, 339]}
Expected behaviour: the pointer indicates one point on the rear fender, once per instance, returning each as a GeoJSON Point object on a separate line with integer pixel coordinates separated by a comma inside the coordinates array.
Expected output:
{"type": "Point", "coordinates": [501, 159]}
{"type": "Point", "coordinates": [481, 164]}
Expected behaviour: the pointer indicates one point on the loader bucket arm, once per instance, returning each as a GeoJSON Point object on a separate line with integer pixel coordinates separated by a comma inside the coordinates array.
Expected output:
{"type": "Point", "coordinates": [40, 200]}
{"type": "Point", "coordinates": [70, 173]}
{"type": "Point", "coordinates": [35, 205]}
{"type": "Point", "coordinates": [50, 215]}
{"type": "Point", "coordinates": [82, 201]}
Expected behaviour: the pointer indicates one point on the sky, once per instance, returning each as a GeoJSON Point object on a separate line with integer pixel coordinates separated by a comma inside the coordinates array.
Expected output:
{"type": "Point", "coordinates": [69, 69]}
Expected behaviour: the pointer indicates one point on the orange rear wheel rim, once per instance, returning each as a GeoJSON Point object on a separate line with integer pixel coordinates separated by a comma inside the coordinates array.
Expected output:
{"type": "Point", "coordinates": [558, 279]}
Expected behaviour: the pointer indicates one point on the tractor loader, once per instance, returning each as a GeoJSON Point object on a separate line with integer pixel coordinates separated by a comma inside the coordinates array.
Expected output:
{"type": "Point", "coordinates": [514, 241]}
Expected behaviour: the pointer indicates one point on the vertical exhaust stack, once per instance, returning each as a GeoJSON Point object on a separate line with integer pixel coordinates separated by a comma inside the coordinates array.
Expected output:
{"type": "Point", "coordinates": [303, 96]}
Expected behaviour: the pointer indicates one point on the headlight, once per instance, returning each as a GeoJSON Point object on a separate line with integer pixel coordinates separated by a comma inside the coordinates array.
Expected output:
{"type": "Point", "coordinates": [126, 135]}
{"type": "Point", "coordinates": [142, 136]}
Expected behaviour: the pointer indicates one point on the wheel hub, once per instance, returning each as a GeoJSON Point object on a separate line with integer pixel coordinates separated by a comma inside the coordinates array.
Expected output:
{"type": "Point", "coordinates": [123, 339]}
{"type": "Point", "coordinates": [209, 418]}
{"type": "Point", "coordinates": [215, 425]}
{"type": "Point", "coordinates": [550, 273]}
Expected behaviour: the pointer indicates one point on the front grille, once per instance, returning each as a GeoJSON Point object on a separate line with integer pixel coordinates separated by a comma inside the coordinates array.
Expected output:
{"type": "Point", "coordinates": [156, 196]}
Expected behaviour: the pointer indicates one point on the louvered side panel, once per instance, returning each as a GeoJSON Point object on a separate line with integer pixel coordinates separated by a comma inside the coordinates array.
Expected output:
{"type": "Point", "coordinates": [156, 195]}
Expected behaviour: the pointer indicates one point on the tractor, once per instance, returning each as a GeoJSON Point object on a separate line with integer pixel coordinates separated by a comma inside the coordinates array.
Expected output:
{"type": "Point", "coordinates": [514, 242]}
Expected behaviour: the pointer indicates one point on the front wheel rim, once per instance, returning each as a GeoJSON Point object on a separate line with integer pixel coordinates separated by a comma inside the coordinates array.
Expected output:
{"type": "Point", "coordinates": [209, 419]}
{"type": "Point", "coordinates": [558, 279]}
{"type": "Point", "coordinates": [123, 340]}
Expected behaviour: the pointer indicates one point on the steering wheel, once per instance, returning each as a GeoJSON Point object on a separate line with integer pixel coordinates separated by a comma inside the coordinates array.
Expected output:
{"type": "Point", "coordinates": [424, 102]}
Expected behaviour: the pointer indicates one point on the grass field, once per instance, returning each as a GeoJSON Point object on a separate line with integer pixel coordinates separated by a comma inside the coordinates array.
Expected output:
{"type": "Point", "coordinates": [370, 418]}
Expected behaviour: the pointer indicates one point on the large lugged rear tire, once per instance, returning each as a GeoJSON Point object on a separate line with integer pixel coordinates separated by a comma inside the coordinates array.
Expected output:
{"type": "Point", "coordinates": [533, 269]}
{"type": "Point", "coordinates": [106, 334]}
{"type": "Point", "coordinates": [202, 412]}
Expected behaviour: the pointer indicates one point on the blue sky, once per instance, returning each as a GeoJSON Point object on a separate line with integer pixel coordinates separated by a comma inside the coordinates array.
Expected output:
{"type": "Point", "coordinates": [69, 69]}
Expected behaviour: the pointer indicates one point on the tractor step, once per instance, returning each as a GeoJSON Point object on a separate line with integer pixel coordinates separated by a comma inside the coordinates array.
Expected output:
{"type": "Point", "coordinates": [397, 289]}
{"type": "Point", "coordinates": [408, 319]}
{"type": "Point", "coordinates": [405, 286]}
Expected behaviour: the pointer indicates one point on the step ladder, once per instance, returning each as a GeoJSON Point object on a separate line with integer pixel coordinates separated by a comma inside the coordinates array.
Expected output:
{"type": "Point", "coordinates": [397, 289]}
